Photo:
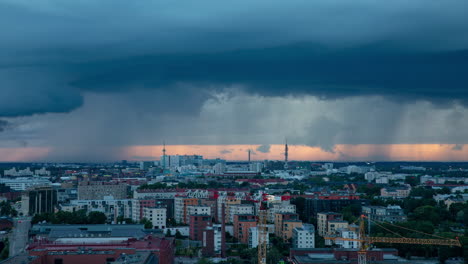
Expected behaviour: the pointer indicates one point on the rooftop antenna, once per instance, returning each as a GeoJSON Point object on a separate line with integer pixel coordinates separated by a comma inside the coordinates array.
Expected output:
{"type": "Point", "coordinates": [286, 154]}
{"type": "Point", "coordinates": [164, 155]}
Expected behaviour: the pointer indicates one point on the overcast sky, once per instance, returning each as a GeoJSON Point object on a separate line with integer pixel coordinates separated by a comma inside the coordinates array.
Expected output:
{"type": "Point", "coordinates": [89, 80]}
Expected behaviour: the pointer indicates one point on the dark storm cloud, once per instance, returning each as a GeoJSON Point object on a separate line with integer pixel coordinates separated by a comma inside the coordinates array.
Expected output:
{"type": "Point", "coordinates": [264, 148]}
{"type": "Point", "coordinates": [407, 50]}
{"type": "Point", "coordinates": [457, 147]}
{"type": "Point", "coordinates": [225, 151]}
{"type": "Point", "coordinates": [299, 69]}
{"type": "Point", "coordinates": [4, 125]}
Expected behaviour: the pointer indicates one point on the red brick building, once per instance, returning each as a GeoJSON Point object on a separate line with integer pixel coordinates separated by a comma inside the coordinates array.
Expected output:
{"type": "Point", "coordinates": [161, 250]}
{"type": "Point", "coordinates": [198, 224]}
{"type": "Point", "coordinates": [242, 223]}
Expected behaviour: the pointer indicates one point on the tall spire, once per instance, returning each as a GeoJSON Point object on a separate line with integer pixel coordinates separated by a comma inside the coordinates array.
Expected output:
{"type": "Point", "coordinates": [286, 155]}
{"type": "Point", "coordinates": [164, 155]}
{"type": "Point", "coordinates": [249, 155]}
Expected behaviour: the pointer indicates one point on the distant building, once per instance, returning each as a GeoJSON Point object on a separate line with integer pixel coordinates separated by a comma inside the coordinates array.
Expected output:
{"type": "Point", "coordinates": [395, 192]}
{"type": "Point", "coordinates": [219, 168]}
{"type": "Point", "coordinates": [304, 237]}
{"type": "Point", "coordinates": [110, 207]}
{"type": "Point", "coordinates": [18, 173]}
{"type": "Point", "coordinates": [330, 203]}
{"type": "Point", "coordinates": [38, 200]}
{"type": "Point", "coordinates": [390, 213]}
{"type": "Point", "coordinates": [42, 172]}
{"type": "Point", "coordinates": [97, 190]}
{"type": "Point", "coordinates": [21, 184]}
{"type": "Point", "coordinates": [256, 166]}
{"type": "Point", "coordinates": [145, 165]}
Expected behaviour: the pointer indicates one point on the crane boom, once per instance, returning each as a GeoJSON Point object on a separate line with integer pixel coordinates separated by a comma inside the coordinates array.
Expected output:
{"type": "Point", "coordinates": [365, 241]}
{"type": "Point", "coordinates": [402, 240]}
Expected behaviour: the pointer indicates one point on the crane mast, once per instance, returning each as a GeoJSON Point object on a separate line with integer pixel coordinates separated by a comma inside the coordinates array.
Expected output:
{"type": "Point", "coordinates": [262, 231]}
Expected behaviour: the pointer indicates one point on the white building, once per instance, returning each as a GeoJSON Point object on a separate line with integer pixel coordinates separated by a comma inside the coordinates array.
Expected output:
{"type": "Point", "coordinates": [21, 184]}
{"type": "Point", "coordinates": [253, 237]}
{"type": "Point", "coordinates": [156, 215]}
{"type": "Point", "coordinates": [348, 233]}
{"type": "Point", "coordinates": [238, 209]}
{"type": "Point", "coordinates": [20, 173]}
{"type": "Point", "coordinates": [110, 207]}
{"type": "Point", "coordinates": [197, 210]}
{"type": "Point", "coordinates": [303, 237]}
{"type": "Point", "coordinates": [144, 165]}
{"type": "Point", "coordinates": [256, 166]}
{"type": "Point", "coordinates": [283, 207]}
{"type": "Point", "coordinates": [382, 180]}
{"type": "Point", "coordinates": [170, 161]}
{"type": "Point", "coordinates": [42, 172]}
{"type": "Point", "coordinates": [219, 168]}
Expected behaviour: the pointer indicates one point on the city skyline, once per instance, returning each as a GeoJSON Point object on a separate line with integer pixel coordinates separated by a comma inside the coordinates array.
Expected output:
{"type": "Point", "coordinates": [357, 153]}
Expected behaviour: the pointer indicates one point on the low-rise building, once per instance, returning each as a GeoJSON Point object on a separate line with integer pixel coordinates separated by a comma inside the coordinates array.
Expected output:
{"type": "Point", "coordinates": [390, 213]}
{"type": "Point", "coordinates": [98, 190]}
{"type": "Point", "coordinates": [395, 192]}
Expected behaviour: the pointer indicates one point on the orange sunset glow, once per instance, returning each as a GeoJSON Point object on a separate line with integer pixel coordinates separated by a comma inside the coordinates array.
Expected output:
{"type": "Point", "coordinates": [410, 152]}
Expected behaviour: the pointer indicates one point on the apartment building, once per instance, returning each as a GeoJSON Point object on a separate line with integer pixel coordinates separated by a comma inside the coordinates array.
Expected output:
{"type": "Point", "coordinates": [304, 237]}
{"type": "Point", "coordinates": [323, 219]}
{"type": "Point", "coordinates": [156, 215]}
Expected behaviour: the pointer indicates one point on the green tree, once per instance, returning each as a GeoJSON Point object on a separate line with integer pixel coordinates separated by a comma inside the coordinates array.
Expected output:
{"type": "Point", "coordinates": [122, 219]}
{"type": "Point", "coordinates": [178, 235]}
{"type": "Point", "coordinates": [204, 261]}
{"type": "Point", "coordinates": [7, 210]}
{"type": "Point", "coordinates": [428, 213]}
{"type": "Point", "coordinates": [96, 218]}
{"type": "Point", "coordinates": [351, 212]}
{"type": "Point", "coordinates": [273, 255]}
{"type": "Point", "coordinates": [6, 250]}
{"type": "Point", "coordinates": [147, 223]}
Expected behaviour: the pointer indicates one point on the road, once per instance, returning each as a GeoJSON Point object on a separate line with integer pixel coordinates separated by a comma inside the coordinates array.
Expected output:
{"type": "Point", "coordinates": [19, 235]}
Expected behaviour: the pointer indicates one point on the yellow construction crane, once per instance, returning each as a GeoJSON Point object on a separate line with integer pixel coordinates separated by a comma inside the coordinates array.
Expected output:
{"type": "Point", "coordinates": [262, 231]}
{"type": "Point", "coordinates": [366, 241]}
